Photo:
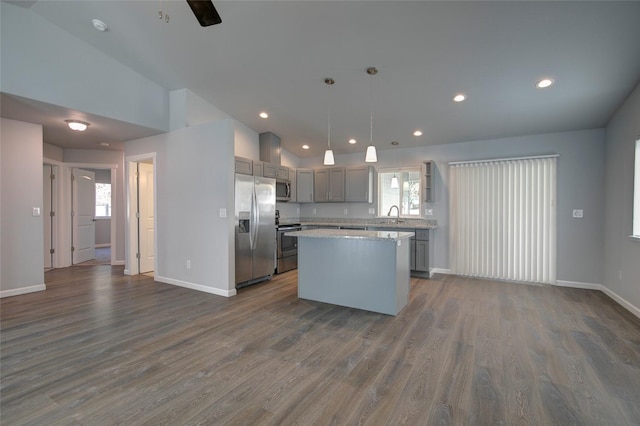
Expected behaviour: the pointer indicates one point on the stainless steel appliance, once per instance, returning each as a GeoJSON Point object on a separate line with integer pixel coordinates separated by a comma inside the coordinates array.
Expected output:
{"type": "Point", "coordinates": [254, 230]}
{"type": "Point", "coordinates": [287, 248]}
{"type": "Point", "coordinates": [283, 190]}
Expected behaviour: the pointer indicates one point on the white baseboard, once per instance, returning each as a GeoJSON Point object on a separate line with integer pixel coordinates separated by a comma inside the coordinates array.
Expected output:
{"type": "Point", "coordinates": [103, 245]}
{"type": "Point", "coordinates": [623, 302]}
{"type": "Point", "coordinates": [576, 284]}
{"type": "Point", "coordinates": [22, 290]}
{"type": "Point", "coordinates": [590, 286]}
{"type": "Point", "coordinates": [117, 263]}
{"type": "Point", "coordinates": [198, 287]}
{"type": "Point", "coordinates": [439, 271]}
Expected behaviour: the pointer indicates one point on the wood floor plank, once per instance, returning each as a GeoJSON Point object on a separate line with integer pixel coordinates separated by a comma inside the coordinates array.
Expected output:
{"type": "Point", "coordinates": [99, 347]}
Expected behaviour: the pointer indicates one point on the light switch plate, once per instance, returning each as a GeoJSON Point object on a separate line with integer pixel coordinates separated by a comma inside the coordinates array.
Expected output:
{"type": "Point", "coordinates": [35, 212]}
{"type": "Point", "coordinates": [372, 210]}
{"type": "Point", "coordinates": [223, 212]}
{"type": "Point", "coordinates": [428, 212]}
{"type": "Point", "coordinates": [578, 213]}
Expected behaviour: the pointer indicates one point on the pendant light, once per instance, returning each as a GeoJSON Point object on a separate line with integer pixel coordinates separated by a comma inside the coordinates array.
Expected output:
{"type": "Point", "coordinates": [328, 153]}
{"type": "Point", "coordinates": [371, 156]}
{"type": "Point", "coordinates": [394, 179]}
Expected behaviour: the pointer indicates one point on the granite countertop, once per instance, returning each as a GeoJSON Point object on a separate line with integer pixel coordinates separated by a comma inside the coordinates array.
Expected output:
{"type": "Point", "coordinates": [378, 223]}
{"type": "Point", "coordinates": [352, 234]}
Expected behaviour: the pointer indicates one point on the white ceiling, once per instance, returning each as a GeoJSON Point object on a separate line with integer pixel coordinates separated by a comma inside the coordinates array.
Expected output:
{"type": "Point", "coordinates": [274, 56]}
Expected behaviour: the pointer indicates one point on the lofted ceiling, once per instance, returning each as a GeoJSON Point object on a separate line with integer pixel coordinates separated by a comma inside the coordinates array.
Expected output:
{"type": "Point", "coordinates": [273, 56]}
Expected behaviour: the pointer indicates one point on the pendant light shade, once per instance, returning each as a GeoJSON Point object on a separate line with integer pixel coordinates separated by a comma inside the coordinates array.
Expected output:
{"type": "Point", "coordinates": [328, 153]}
{"type": "Point", "coordinates": [371, 155]}
{"type": "Point", "coordinates": [328, 158]}
{"type": "Point", "coordinates": [394, 182]}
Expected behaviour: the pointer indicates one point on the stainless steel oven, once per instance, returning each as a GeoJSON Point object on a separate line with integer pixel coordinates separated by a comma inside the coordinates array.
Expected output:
{"type": "Point", "coordinates": [287, 248]}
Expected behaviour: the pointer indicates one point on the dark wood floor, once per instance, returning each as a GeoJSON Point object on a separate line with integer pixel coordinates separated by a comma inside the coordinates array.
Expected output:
{"type": "Point", "coordinates": [100, 348]}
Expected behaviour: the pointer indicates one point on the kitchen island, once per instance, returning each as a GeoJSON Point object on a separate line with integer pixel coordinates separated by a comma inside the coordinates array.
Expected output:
{"type": "Point", "coordinates": [360, 269]}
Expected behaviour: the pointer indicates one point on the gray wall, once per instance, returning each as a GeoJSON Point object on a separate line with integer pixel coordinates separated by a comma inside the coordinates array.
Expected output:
{"type": "Point", "coordinates": [621, 254]}
{"type": "Point", "coordinates": [21, 234]}
{"type": "Point", "coordinates": [43, 62]}
{"type": "Point", "coordinates": [194, 180]}
{"type": "Point", "coordinates": [580, 241]}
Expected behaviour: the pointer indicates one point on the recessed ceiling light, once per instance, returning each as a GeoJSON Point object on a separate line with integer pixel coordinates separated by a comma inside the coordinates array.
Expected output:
{"type": "Point", "coordinates": [77, 125]}
{"type": "Point", "coordinates": [99, 25]}
{"type": "Point", "coordinates": [546, 82]}
{"type": "Point", "coordinates": [264, 115]}
{"type": "Point", "coordinates": [352, 141]}
{"type": "Point", "coordinates": [395, 143]}
{"type": "Point", "coordinates": [305, 146]}
{"type": "Point", "coordinates": [459, 97]}
{"type": "Point", "coordinates": [104, 144]}
{"type": "Point", "coordinates": [417, 133]}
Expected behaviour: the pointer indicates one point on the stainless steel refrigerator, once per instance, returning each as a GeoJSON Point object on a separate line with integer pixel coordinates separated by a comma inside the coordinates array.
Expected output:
{"type": "Point", "coordinates": [255, 229]}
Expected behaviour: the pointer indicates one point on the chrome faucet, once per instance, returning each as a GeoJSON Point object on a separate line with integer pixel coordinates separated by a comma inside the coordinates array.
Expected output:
{"type": "Point", "coordinates": [397, 210]}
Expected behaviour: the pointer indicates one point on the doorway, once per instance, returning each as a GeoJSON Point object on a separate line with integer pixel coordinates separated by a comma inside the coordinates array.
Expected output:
{"type": "Point", "coordinates": [142, 213]}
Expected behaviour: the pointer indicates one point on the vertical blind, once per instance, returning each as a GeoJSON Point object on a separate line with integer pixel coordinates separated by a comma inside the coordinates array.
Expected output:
{"type": "Point", "coordinates": [503, 219]}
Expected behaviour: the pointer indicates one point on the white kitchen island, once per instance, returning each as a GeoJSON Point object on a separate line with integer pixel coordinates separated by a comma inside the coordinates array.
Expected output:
{"type": "Point", "coordinates": [360, 269]}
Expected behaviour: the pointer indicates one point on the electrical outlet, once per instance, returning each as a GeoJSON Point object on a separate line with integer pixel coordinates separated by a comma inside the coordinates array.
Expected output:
{"type": "Point", "coordinates": [372, 210]}
{"type": "Point", "coordinates": [346, 212]}
{"type": "Point", "coordinates": [188, 264]}
{"type": "Point", "coordinates": [223, 212]}
{"type": "Point", "coordinates": [315, 211]}
{"type": "Point", "coordinates": [428, 212]}
{"type": "Point", "coordinates": [578, 213]}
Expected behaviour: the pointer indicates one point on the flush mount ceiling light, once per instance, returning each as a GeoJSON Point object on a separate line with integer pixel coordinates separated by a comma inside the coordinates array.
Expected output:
{"type": "Point", "coordinates": [352, 141]}
{"type": "Point", "coordinates": [416, 133]}
{"type": "Point", "coordinates": [459, 97]}
{"type": "Point", "coordinates": [77, 125]}
{"type": "Point", "coordinates": [371, 155]}
{"type": "Point", "coordinates": [544, 83]}
{"type": "Point", "coordinates": [99, 25]}
{"type": "Point", "coordinates": [264, 115]}
{"type": "Point", "coordinates": [305, 146]}
{"type": "Point", "coordinates": [328, 153]}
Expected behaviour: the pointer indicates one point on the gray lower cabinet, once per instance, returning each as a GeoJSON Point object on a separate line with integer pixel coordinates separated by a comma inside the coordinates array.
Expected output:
{"type": "Point", "coordinates": [419, 249]}
{"type": "Point", "coordinates": [421, 253]}
{"type": "Point", "coordinates": [304, 186]}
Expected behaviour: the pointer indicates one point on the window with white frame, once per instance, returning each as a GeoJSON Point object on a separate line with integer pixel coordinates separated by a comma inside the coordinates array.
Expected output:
{"type": "Point", "coordinates": [636, 193]}
{"type": "Point", "coordinates": [103, 200]}
{"type": "Point", "coordinates": [400, 187]}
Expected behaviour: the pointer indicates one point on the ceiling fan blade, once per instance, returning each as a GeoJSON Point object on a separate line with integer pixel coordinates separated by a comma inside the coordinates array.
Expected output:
{"type": "Point", "coordinates": [205, 12]}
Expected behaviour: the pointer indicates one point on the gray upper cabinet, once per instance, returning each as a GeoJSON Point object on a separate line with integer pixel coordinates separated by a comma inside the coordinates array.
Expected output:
{"type": "Point", "coordinates": [258, 168]}
{"type": "Point", "coordinates": [359, 184]}
{"type": "Point", "coordinates": [294, 186]}
{"type": "Point", "coordinates": [304, 186]}
{"type": "Point", "coordinates": [429, 174]}
{"type": "Point", "coordinates": [270, 170]}
{"type": "Point", "coordinates": [328, 185]}
{"type": "Point", "coordinates": [244, 166]}
{"type": "Point", "coordinates": [282, 172]}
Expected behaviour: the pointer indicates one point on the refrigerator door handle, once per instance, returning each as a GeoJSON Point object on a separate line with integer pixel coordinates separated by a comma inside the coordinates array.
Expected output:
{"type": "Point", "coordinates": [254, 214]}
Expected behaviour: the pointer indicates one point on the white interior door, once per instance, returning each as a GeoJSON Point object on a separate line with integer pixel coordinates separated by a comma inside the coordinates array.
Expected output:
{"type": "Point", "coordinates": [46, 214]}
{"type": "Point", "coordinates": [147, 219]}
{"type": "Point", "coordinates": [83, 215]}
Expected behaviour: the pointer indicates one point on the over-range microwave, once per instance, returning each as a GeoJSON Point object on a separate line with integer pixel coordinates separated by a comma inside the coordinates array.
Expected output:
{"type": "Point", "coordinates": [283, 190]}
